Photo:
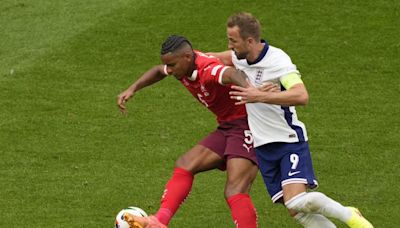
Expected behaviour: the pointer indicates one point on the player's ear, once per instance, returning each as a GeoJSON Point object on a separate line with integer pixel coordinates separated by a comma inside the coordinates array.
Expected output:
{"type": "Point", "coordinates": [250, 40]}
{"type": "Point", "coordinates": [188, 56]}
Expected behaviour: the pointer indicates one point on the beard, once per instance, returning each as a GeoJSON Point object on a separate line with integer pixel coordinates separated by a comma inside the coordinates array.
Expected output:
{"type": "Point", "coordinates": [241, 55]}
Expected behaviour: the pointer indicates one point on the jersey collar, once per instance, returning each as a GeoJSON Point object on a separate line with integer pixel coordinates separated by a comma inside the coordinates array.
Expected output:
{"type": "Point", "coordinates": [262, 54]}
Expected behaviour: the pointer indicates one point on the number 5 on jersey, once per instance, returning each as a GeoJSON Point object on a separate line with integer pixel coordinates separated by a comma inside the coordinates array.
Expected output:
{"type": "Point", "coordinates": [248, 140]}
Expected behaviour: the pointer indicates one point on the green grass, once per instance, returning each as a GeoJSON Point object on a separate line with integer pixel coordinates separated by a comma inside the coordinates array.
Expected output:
{"type": "Point", "coordinates": [69, 159]}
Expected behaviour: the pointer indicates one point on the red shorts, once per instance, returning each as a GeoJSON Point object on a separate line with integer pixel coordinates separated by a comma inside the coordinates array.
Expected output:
{"type": "Point", "coordinates": [232, 139]}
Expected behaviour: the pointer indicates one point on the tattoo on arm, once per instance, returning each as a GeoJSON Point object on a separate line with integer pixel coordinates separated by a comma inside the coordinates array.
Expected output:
{"type": "Point", "coordinates": [239, 78]}
{"type": "Point", "coordinates": [235, 77]}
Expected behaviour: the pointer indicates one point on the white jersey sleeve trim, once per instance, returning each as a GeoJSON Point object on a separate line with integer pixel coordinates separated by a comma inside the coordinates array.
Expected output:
{"type": "Point", "coordinates": [215, 70]}
{"type": "Point", "coordinates": [221, 74]}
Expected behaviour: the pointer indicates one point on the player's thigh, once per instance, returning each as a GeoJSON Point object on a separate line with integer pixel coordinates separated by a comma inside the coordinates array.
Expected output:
{"type": "Point", "coordinates": [239, 141]}
{"type": "Point", "coordinates": [199, 159]}
{"type": "Point", "coordinates": [269, 165]}
{"type": "Point", "coordinates": [241, 173]}
{"type": "Point", "coordinates": [297, 169]}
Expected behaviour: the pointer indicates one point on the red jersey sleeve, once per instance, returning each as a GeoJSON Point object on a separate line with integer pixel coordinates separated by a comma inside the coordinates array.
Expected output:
{"type": "Point", "coordinates": [217, 72]}
{"type": "Point", "coordinates": [211, 66]}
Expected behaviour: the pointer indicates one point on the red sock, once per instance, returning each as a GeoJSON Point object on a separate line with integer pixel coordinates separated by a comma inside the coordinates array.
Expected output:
{"type": "Point", "coordinates": [243, 212]}
{"type": "Point", "coordinates": [176, 191]}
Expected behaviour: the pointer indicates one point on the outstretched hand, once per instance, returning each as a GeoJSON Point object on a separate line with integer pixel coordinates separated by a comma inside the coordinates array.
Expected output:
{"type": "Point", "coordinates": [252, 94]}
{"type": "Point", "coordinates": [123, 98]}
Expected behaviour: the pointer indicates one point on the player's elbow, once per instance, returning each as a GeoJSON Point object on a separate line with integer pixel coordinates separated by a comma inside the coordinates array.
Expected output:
{"type": "Point", "coordinates": [303, 99]}
{"type": "Point", "coordinates": [300, 94]}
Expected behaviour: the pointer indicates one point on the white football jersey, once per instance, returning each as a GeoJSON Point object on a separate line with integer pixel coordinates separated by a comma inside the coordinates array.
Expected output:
{"type": "Point", "coordinates": [268, 122]}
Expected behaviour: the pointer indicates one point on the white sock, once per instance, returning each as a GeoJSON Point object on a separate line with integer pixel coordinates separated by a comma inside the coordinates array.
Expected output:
{"type": "Point", "coordinates": [313, 221]}
{"type": "Point", "coordinates": [316, 202]}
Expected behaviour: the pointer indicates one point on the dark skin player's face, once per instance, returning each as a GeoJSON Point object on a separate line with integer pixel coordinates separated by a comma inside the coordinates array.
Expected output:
{"type": "Point", "coordinates": [177, 64]}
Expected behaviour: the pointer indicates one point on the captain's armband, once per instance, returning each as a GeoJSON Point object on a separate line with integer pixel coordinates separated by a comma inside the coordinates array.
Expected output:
{"type": "Point", "coordinates": [290, 80]}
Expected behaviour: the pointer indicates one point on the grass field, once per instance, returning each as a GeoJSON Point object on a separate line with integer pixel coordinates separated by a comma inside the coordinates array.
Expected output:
{"type": "Point", "coordinates": [68, 158]}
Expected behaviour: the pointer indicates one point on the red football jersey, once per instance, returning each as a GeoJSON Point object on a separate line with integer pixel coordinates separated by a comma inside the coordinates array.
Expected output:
{"type": "Point", "coordinates": [205, 84]}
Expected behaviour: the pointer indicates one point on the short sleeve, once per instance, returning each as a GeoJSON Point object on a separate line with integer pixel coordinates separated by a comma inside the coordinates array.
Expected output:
{"type": "Point", "coordinates": [216, 72]}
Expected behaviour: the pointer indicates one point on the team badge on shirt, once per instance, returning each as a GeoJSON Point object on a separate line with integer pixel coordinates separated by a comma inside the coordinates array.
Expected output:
{"type": "Point", "coordinates": [258, 78]}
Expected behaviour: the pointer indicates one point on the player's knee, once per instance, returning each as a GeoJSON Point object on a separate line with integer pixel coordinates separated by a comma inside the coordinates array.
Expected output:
{"type": "Point", "coordinates": [305, 202]}
{"type": "Point", "coordinates": [194, 165]}
{"type": "Point", "coordinates": [296, 203]}
{"type": "Point", "coordinates": [185, 163]}
{"type": "Point", "coordinates": [299, 203]}
{"type": "Point", "coordinates": [236, 186]}
{"type": "Point", "coordinates": [231, 191]}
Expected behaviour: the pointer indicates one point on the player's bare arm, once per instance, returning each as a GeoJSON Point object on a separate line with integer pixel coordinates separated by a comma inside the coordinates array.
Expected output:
{"type": "Point", "coordinates": [295, 95]}
{"type": "Point", "coordinates": [235, 77]}
{"type": "Point", "coordinates": [152, 76]}
{"type": "Point", "coordinates": [225, 57]}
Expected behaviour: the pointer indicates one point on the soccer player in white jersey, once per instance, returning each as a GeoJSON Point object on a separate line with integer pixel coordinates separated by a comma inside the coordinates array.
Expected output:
{"type": "Point", "coordinates": [280, 139]}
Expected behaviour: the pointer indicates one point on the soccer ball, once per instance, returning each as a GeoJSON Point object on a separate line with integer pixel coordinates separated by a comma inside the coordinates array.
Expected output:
{"type": "Point", "coordinates": [119, 220]}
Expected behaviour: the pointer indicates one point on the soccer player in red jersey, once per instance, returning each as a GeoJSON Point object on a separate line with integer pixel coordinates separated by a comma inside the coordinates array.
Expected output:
{"type": "Point", "coordinates": [229, 147]}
